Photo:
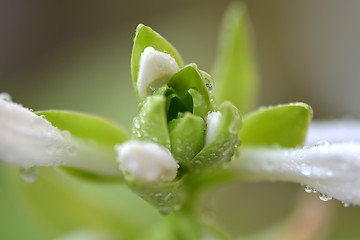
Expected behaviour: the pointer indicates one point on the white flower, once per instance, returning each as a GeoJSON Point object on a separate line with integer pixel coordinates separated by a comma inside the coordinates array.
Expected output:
{"type": "Point", "coordinates": [146, 162]}
{"type": "Point", "coordinates": [332, 169]}
{"type": "Point", "coordinates": [29, 140]}
{"type": "Point", "coordinates": [155, 69]}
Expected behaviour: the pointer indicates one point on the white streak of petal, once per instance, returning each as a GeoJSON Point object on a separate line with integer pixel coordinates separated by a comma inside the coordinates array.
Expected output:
{"type": "Point", "coordinates": [155, 69]}
{"type": "Point", "coordinates": [146, 162]}
{"type": "Point", "coordinates": [331, 169]}
{"type": "Point", "coordinates": [29, 140]}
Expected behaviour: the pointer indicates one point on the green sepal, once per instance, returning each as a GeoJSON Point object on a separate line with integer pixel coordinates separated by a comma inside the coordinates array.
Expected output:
{"type": "Point", "coordinates": [87, 127]}
{"type": "Point", "coordinates": [281, 125]}
{"type": "Point", "coordinates": [166, 198]}
{"type": "Point", "coordinates": [189, 77]}
{"type": "Point", "coordinates": [187, 137]}
{"type": "Point", "coordinates": [235, 69]}
{"type": "Point", "coordinates": [145, 37]}
{"type": "Point", "coordinates": [223, 145]}
{"type": "Point", "coordinates": [151, 124]}
{"type": "Point", "coordinates": [198, 103]}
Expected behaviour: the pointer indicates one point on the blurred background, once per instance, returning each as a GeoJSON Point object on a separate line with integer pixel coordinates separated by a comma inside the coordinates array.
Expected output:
{"type": "Point", "coordinates": [76, 55]}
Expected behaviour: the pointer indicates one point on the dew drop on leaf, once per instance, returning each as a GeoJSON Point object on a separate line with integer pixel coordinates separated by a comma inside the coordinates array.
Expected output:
{"type": "Point", "coordinates": [29, 174]}
{"type": "Point", "coordinates": [165, 210]}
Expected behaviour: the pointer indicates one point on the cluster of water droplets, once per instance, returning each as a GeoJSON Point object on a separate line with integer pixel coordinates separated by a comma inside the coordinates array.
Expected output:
{"type": "Point", "coordinates": [322, 196]}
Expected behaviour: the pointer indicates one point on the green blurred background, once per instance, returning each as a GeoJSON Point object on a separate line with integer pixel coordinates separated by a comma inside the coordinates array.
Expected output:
{"type": "Point", "coordinates": [76, 55]}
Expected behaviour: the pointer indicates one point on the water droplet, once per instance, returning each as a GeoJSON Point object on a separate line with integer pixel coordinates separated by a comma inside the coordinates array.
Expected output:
{"type": "Point", "coordinates": [155, 139]}
{"type": "Point", "coordinates": [72, 150]}
{"type": "Point", "coordinates": [137, 124]}
{"type": "Point", "coordinates": [322, 143]}
{"type": "Point", "coordinates": [5, 96]}
{"type": "Point", "coordinates": [176, 207]}
{"type": "Point", "coordinates": [309, 189]}
{"type": "Point", "coordinates": [345, 204]}
{"type": "Point", "coordinates": [29, 174]}
{"type": "Point", "coordinates": [66, 133]}
{"type": "Point", "coordinates": [42, 116]}
{"type": "Point", "coordinates": [158, 195]}
{"type": "Point", "coordinates": [165, 210]}
{"type": "Point", "coordinates": [305, 169]}
{"type": "Point", "coordinates": [323, 197]}
{"type": "Point", "coordinates": [169, 197]}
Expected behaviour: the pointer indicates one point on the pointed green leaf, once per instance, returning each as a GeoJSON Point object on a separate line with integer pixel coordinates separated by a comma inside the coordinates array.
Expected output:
{"type": "Point", "coordinates": [235, 70]}
{"type": "Point", "coordinates": [187, 137]}
{"type": "Point", "coordinates": [87, 127]}
{"type": "Point", "coordinates": [220, 147]}
{"type": "Point", "coordinates": [151, 124]}
{"type": "Point", "coordinates": [145, 37]}
{"type": "Point", "coordinates": [282, 125]}
{"type": "Point", "coordinates": [188, 78]}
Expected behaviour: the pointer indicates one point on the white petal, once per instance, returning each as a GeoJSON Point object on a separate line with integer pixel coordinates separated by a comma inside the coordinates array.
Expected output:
{"type": "Point", "coordinates": [146, 162]}
{"type": "Point", "coordinates": [213, 122]}
{"type": "Point", "coordinates": [155, 69]}
{"type": "Point", "coordinates": [331, 169]}
{"type": "Point", "coordinates": [334, 131]}
{"type": "Point", "coordinates": [29, 140]}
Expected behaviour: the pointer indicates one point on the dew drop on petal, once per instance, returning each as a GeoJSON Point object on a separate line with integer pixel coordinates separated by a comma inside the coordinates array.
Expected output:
{"type": "Point", "coordinates": [305, 169]}
{"type": "Point", "coordinates": [322, 143]}
{"type": "Point", "coordinates": [323, 197]}
{"type": "Point", "coordinates": [309, 189]}
{"type": "Point", "coordinates": [29, 174]}
{"type": "Point", "coordinates": [5, 96]}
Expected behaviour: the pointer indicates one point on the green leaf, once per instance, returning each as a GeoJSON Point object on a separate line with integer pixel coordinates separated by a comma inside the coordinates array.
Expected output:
{"type": "Point", "coordinates": [235, 70]}
{"type": "Point", "coordinates": [198, 103]}
{"type": "Point", "coordinates": [222, 146]}
{"type": "Point", "coordinates": [282, 125]}
{"type": "Point", "coordinates": [189, 77]}
{"type": "Point", "coordinates": [187, 137]}
{"type": "Point", "coordinates": [151, 124]}
{"type": "Point", "coordinates": [145, 37]}
{"type": "Point", "coordinates": [87, 127]}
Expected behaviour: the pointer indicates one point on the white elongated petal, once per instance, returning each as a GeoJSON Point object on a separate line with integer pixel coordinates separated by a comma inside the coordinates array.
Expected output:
{"type": "Point", "coordinates": [334, 131]}
{"type": "Point", "coordinates": [155, 69]}
{"type": "Point", "coordinates": [332, 169]}
{"type": "Point", "coordinates": [146, 162]}
{"type": "Point", "coordinates": [29, 140]}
